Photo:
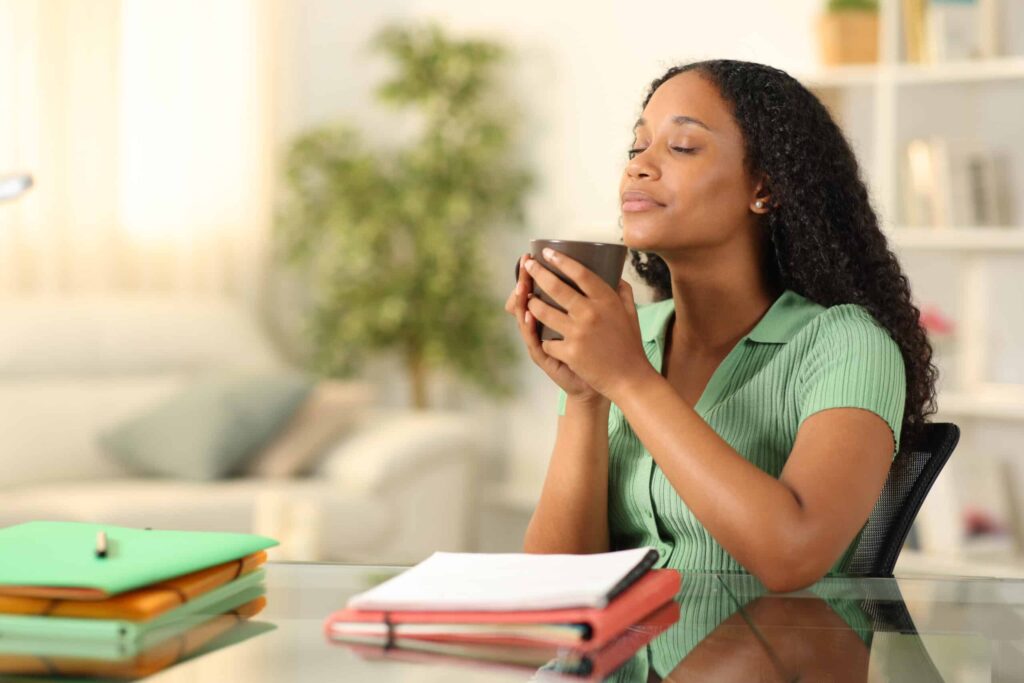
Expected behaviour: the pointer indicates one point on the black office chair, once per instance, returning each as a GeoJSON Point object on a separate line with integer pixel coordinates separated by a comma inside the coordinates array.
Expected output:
{"type": "Point", "coordinates": [910, 478]}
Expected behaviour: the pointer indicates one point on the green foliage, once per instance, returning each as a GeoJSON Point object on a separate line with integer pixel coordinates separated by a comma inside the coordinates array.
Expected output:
{"type": "Point", "coordinates": [392, 240]}
{"type": "Point", "coordinates": [847, 5]}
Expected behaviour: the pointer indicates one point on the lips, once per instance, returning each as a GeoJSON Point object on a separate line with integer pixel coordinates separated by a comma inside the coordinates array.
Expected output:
{"type": "Point", "coordinates": [639, 201]}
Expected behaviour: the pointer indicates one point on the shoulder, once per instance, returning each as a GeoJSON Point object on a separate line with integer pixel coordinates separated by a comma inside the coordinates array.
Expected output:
{"type": "Point", "coordinates": [849, 331]}
{"type": "Point", "coordinates": [848, 360]}
{"type": "Point", "coordinates": [845, 323]}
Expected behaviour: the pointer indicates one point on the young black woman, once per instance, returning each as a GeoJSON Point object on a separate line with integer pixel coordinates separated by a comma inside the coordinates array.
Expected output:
{"type": "Point", "coordinates": [747, 419]}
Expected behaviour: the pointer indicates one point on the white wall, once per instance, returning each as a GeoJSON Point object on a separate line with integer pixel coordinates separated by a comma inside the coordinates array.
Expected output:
{"type": "Point", "coordinates": [580, 74]}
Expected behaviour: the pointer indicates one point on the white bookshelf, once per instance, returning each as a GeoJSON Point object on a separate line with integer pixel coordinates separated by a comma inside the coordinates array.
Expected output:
{"type": "Point", "coordinates": [883, 85]}
{"type": "Point", "coordinates": [966, 239]}
{"type": "Point", "coordinates": [1003, 68]}
{"type": "Point", "coordinates": [880, 106]}
{"type": "Point", "coordinates": [981, 403]}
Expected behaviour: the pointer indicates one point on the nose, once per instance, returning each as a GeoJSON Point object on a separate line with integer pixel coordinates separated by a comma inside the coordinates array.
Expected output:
{"type": "Point", "coordinates": [642, 166]}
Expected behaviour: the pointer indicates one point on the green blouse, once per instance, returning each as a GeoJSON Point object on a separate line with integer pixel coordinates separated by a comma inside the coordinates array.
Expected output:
{"type": "Point", "coordinates": [799, 359]}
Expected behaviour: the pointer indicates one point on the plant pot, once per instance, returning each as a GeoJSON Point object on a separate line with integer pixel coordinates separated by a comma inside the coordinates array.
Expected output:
{"type": "Point", "coordinates": [848, 37]}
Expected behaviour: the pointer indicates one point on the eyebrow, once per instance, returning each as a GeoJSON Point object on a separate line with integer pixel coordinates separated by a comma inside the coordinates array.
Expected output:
{"type": "Point", "coordinates": [678, 120]}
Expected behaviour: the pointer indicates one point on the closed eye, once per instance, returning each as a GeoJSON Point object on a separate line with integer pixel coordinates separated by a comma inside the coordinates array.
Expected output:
{"type": "Point", "coordinates": [685, 150]}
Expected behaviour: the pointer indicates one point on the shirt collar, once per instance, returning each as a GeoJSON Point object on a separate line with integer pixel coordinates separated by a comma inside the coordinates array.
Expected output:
{"type": "Point", "coordinates": [783, 319]}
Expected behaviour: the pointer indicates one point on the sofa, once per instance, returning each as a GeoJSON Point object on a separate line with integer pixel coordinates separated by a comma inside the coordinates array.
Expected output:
{"type": "Point", "coordinates": [394, 487]}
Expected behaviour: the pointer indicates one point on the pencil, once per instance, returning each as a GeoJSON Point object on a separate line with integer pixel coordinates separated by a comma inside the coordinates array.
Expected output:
{"type": "Point", "coordinates": [101, 544]}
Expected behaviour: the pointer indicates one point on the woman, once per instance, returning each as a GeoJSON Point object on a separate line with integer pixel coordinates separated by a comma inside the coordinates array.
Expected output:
{"type": "Point", "coordinates": [747, 420]}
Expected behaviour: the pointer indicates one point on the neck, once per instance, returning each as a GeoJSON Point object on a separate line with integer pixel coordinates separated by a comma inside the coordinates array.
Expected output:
{"type": "Point", "coordinates": [717, 299]}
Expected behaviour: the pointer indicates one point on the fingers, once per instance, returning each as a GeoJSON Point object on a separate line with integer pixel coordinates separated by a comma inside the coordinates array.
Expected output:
{"type": "Point", "coordinates": [625, 291]}
{"type": "Point", "coordinates": [585, 279]}
{"type": "Point", "coordinates": [555, 349]}
{"type": "Point", "coordinates": [528, 310]}
{"type": "Point", "coordinates": [516, 302]}
{"type": "Point", "coordinates": [525, 320]}
{"type": "Point", "coordinates": [549, 316]}
{"type": "Point", "coordinates": [563, 294]}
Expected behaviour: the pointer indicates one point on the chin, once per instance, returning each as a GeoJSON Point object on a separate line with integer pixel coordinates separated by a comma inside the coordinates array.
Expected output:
{"type": "Point", "coordinates": [642, 236]}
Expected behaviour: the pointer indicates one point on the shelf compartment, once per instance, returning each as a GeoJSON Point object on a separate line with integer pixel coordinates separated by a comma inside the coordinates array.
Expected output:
{"type": "Point", "coordinates": [958, 239]}
{"type": "Point", "coordinates": [1001, 68]}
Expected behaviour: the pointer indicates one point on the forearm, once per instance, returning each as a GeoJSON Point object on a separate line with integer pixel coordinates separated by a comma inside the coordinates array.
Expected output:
{"type": "Point", "coordinates": [751, 514]}
{"type": "Point", "coordinates": [572, 514]}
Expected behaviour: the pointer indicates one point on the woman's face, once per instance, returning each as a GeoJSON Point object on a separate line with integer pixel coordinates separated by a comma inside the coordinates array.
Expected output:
{"type": "Point", "coordinates": [686, 184]}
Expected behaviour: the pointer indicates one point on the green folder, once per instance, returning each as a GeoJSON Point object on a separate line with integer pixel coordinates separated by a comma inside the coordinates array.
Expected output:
{"type": "Point", "coordinates": [63, 554]}
{"type": "Point", "coordinates": [121, 635]}
{"type": "Point", "coordinates": [237, 634]}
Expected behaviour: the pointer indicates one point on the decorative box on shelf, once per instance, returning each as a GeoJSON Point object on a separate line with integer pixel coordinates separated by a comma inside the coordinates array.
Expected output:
{"type": "Point", "coordinates": [848, 34]}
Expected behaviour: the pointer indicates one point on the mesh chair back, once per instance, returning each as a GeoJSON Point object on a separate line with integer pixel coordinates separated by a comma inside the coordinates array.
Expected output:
{"type": "Point", "coordinates": [910, 478]}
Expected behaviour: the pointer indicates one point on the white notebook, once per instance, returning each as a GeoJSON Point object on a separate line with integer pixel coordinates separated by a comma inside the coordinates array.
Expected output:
{"type": "Point", "coordinates": [508, 582]}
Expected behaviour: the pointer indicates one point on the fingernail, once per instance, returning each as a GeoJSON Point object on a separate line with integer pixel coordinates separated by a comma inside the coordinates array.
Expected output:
{"type": "Point", "coordinates": [550, 254]}
{"type": "Point", "coordinates": [519, 289]}
{"type": "Point", "coordinates": [529, 265]}
{"type": "Point", "coordinates": [526, 317]}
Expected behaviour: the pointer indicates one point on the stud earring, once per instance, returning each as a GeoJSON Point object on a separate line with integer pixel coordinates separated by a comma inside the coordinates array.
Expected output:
{"type": "Point", "coordinates": [759, 204]}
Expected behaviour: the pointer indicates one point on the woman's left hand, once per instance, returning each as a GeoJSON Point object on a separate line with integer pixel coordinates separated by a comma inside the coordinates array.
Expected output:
{"type": "Point", "coordinates": [600, 329]}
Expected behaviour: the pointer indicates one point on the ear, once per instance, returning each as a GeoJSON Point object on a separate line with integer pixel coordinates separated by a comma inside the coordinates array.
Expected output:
{"type": "Point", "coordinates": [761, 202]}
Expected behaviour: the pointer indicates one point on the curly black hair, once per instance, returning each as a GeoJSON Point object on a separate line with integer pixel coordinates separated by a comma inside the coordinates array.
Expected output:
{"type": "Point", "coordinates": [825, 239]}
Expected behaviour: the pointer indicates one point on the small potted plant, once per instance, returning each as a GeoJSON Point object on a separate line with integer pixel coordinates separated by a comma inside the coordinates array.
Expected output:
{"type": "Point", "coordinates": [848, 32]}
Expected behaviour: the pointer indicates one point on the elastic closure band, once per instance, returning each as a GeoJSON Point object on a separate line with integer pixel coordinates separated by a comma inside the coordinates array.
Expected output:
{"type": "Point", "coordinates": [390, 638]}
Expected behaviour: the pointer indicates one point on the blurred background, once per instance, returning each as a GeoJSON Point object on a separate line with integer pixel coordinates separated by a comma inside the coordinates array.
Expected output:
{"type": "Point", "coordinates": [255, 282]}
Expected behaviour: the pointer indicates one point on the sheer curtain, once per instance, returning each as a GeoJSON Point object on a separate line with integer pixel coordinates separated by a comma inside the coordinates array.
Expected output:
{"type": "Point", "coordinates": [147, 126]}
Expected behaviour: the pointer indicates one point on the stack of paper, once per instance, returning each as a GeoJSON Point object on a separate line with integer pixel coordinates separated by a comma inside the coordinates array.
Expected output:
{"type": "Point", "coordinates": [135, 604]}
{"type": "Point", "coordinates": [515, 609]}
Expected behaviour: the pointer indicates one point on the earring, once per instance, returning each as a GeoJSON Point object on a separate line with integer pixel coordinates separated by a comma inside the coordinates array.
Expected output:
{"type": "Point", "coordinates": [759, 204]}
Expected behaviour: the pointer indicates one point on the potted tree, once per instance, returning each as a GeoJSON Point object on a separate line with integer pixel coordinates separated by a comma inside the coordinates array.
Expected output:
{"type": "Point", "coordinates": [848, 32]}
{"type": "Point", "coordinates": [391, 241]}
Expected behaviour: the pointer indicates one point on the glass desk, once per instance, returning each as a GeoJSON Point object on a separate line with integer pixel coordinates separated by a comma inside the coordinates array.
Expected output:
{"type": "Point", "coordinates": [728, 629]}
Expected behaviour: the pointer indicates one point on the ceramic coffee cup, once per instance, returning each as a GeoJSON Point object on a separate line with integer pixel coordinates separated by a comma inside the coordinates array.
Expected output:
{"type": "Point", "coordinates": [605, 259]}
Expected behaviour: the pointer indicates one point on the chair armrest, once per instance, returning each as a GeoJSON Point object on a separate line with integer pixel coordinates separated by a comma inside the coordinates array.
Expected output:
{"type": "Point", "coordinates": [397, 446]}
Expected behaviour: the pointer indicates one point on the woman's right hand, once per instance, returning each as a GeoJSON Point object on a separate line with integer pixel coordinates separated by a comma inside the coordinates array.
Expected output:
{"type": "Point", "coordinates": [558, 371]}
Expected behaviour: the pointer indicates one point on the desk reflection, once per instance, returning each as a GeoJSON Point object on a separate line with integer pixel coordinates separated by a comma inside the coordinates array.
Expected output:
{"type": "Point", "coordinates": [725, 634]}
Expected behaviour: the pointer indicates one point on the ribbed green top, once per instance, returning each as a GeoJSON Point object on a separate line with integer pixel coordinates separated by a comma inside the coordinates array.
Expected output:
{"type": "Point", "coordinates": [799, 359]}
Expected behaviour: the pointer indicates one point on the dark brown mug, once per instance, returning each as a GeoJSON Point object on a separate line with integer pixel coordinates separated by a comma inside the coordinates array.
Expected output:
{"type": "Point", "coordinates": [606, 260]}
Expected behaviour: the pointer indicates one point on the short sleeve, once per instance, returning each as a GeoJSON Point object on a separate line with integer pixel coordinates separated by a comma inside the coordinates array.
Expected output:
{"type": "Point", "coordinates": [854, 363]}
{"type": "Point", "coordinates": [562, 398]}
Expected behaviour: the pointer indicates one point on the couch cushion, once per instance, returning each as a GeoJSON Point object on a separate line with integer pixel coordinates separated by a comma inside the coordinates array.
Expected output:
{"type": "Point", "coordinates": [48, 426]}
{"type": "Point", "coordinates": [333, 408]}
{"type": "Point", "coordinates": [207, 430]}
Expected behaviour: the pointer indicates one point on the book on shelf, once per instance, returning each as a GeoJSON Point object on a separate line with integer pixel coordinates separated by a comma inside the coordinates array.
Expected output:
{"type": "Point", "coordinates": [914, 29]}
{"type": "Point", "coordinates": [949, 182]}
{"type": "Point", "coordinates": [950, 30]}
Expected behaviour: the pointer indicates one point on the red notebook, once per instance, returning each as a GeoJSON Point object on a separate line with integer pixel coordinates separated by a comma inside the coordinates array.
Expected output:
{"type": "Point", "coordinates": [595, 665]}
{"type": "Point", "coordinates": [585, 629]}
